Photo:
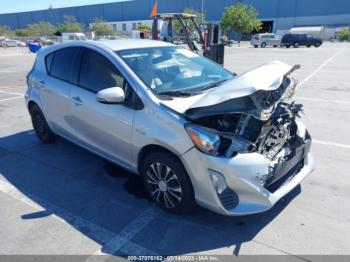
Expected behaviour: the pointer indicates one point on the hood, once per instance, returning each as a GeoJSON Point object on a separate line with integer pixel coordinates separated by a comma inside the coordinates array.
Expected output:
{"type": "Point", "coordinates": [255, 92]}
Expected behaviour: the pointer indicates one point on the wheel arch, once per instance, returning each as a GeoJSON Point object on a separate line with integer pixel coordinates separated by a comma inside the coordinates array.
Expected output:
{"type": "Point", "coordinates": [32, 103]}
{"type": "Point", "coordinates": [148, 149]}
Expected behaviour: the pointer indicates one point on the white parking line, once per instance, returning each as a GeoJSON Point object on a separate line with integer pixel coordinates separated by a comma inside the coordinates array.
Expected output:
{"type": "Point", "coordinates": [331, 144]}
{"type": "Point", "coordinates": [128, 233]}
{"type": "Point", "coordinates": [11, 98]}
{"type": "Point", "coordinates": [320, 68]}
{"type": "Point", "coordinates": [112, 241]}
{"type": "Point", "coordinates": [323, 100]}
{"type": "Point", "coordinates": [11, 93]}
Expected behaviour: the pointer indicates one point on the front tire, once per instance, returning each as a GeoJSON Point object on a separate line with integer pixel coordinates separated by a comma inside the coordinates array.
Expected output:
{"type": "Point", "coordinates": [317, 44]}
{"type": "Point", "coordinates": [41, 128]}
{"type": "Point", "coordinates": [167, 183]}
{"type": "Point", "coordinates": [263, 45]}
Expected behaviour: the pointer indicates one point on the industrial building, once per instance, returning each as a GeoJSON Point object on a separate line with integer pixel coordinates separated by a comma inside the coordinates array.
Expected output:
{"type": "Point", "coordinates": [277, 15]}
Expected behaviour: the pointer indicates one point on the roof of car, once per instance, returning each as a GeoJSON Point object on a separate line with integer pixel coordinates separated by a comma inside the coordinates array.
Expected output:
{"type": "Point", "coordinates": [123, 44]}
{"type": "Point", "coordinates": [114, 45]}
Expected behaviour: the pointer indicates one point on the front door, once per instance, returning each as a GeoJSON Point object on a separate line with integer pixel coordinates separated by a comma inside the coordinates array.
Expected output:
{"type": "Point", "coordinates": [106, 128]}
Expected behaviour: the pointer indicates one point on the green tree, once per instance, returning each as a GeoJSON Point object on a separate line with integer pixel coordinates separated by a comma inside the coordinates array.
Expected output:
{"type": "Point", "coordinates": [241, 19]}
{"type": "Point", "coordinates": [199, 20]}
{"type": "Point", "coordinates": [344, 34]}
{"type": "Point", "coordinates": [22, 32]}
{"type": "Point", "coordinates": [101, 28]}
{"type": "Point", "coordinates": [144, 26]}
{"type": "Point", "coordinates": [6, 31]}
{"type": "Point", "coordinates": [70, 24]}
{"type": "Point", "coordinates": [41, 29]}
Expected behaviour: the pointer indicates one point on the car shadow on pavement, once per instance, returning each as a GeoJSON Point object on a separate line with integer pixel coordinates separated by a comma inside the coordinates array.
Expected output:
{"type": "Point", "coordinates": [79, 187]}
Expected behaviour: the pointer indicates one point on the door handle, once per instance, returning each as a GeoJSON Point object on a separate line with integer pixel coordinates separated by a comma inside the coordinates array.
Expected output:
{"type": "Point", "coordinates": [77, 100]}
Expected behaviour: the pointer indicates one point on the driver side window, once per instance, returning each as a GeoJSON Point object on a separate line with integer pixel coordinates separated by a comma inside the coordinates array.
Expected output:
{"type": "Point", "coordinates": [97, 72]}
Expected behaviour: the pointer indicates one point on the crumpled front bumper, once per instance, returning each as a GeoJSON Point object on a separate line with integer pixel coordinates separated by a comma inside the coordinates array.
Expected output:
{"type": "Point", "coordinates": [242, 174]}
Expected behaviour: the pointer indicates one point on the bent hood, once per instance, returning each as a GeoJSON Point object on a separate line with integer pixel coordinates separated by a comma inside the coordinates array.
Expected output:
{"type": "Point", "coordinates": [254, 92]}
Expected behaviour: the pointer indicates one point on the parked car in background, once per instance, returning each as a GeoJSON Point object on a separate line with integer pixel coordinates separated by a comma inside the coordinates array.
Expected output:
{"type": "Point", "coordinates": [194, 131]}
{"type": "Point", "coordinates": [297, 40]}
{"type": "Point", "coordinates": [8, 43]}
{"type": "Point", "coordinates": [21, 43]}
{"type": "Point", "coordinates": [264, 40]}
{"type": "Point", "coordinates": [12, 43]}
{"type": "Point", "coordinates": [46, 42]}
{"type": "Point", "coordinates": [68, 37]}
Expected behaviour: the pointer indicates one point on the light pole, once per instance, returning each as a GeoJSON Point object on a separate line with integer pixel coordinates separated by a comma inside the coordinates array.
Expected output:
{"type": "Point", "coordinates": [202, 11]}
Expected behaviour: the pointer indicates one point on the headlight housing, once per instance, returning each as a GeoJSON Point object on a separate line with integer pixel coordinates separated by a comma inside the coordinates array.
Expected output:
{"type": "Point", "coordinates": [212, 142]}
{"type": "Point", "coordinates": [204, 139]}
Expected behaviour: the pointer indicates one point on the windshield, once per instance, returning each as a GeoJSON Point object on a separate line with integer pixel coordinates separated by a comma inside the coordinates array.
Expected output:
{"type": "Point", "coordinates": [174, 70]}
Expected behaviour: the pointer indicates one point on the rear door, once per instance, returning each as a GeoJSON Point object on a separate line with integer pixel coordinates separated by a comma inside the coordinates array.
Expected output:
{"type": "Point", "coordinates": [105, 128]}
{"type": "Point", "coordinates": [55, 89]}
{"type": "Point", "coordinates": [265, 39]}
{"type": "Point", "coordinates": [269, 40]}
{"type": "Point", "coordinates": [303, 39]}
{"type": "Point", "coordinates": [276, 40]}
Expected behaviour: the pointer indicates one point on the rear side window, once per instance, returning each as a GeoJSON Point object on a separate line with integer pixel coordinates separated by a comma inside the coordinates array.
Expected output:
{"type": "Point", "coordinates": [48, 62]}
{"type": "Point", "coordinates": [97, 72]}
{"type": "Point", "coordinates": [62, 65]}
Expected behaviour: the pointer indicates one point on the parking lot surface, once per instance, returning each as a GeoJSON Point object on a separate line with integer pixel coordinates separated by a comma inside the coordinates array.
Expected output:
{"type": "Point", "coordinates": [61, 199]}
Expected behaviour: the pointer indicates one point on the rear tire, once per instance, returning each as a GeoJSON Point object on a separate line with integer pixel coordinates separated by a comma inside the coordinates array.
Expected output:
{"type": "Point", "coordinates": [263, 45]}
{"type": "Point", "coordinates": [167, 183]}
{"type": "Point", "coordinates": [317, 44]}
{"type": "Point", "coordinates": [275, 46]}
{"type": "Point", "coordinates": [287, 46]}
{"type": "Point", "coordinates": [41, 128]}
{"type": "Point", "coordinates": [255, 46]}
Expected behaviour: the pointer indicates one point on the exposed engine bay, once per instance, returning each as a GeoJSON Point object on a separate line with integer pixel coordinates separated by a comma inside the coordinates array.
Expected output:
{"type": "Point", "coordinates": [267, 137]}
{"type": "Point", "coordinates": [269, 128]}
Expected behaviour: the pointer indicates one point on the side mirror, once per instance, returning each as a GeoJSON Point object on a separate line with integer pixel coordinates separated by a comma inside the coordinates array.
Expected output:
{"type": "Point", "coordinates": [112, 95]}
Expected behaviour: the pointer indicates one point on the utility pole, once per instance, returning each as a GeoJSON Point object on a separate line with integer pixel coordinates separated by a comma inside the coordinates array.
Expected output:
{"type": "Point", "coordinates": [202, 11]}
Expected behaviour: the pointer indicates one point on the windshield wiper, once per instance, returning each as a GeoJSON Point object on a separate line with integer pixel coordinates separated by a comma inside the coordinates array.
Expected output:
{"type": "Point", "coordinates": [186, 94]}
{"type": "Point", "coordinates": [175, 93]}
{"type": "Point", "coordinates": [212, 85]}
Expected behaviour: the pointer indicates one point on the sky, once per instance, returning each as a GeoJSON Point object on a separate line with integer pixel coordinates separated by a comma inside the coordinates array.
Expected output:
{"type": "Point", "coordinates": [14, 6]}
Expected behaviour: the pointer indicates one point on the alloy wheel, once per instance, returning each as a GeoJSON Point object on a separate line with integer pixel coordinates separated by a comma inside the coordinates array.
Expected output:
{"type": "Point", "coordinates": [39, 123]}
{"type": "Point", "coordinates": [164, 185]}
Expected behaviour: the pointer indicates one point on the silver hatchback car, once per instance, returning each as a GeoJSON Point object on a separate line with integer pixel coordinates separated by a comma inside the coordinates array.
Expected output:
{"type": "Point", "coordinates": [194, 131]}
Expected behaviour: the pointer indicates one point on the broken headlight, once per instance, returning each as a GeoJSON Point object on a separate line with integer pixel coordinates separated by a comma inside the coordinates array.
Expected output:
{"type": "Point", "coordinates": [214, 143]}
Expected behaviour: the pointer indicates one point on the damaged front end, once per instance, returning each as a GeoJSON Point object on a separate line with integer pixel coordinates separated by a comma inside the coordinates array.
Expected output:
{"type": "Point", "coordinates": [262, 122]}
